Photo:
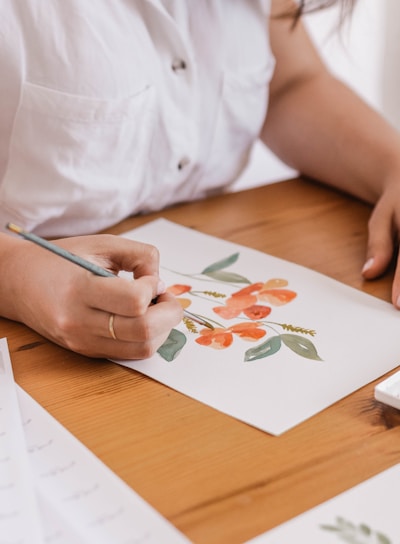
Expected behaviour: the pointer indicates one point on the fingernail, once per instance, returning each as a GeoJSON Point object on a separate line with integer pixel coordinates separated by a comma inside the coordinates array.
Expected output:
{"type": "Point", "coordinates": [368, 265]}
{"type": "Point", "coordinates": [161, 287]}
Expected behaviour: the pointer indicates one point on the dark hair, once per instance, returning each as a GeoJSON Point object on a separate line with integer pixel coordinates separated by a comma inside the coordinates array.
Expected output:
{"type": "Point", "coordinates": [303, 7]}
{"type": "Point", "coordinates": [309, 6]}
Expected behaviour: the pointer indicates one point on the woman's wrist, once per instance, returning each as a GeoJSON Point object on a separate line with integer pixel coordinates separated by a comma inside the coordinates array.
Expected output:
{"type": "Point", "coordinates": [11, 264]}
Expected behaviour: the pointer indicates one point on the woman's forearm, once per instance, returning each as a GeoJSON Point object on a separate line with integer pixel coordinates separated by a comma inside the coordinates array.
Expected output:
{"type": "Point", "coordinates": [325, 131]}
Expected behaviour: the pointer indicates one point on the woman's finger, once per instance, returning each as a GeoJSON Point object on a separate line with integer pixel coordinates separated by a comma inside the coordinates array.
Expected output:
{"type": "Point", "coordinates": [159, 318]}
{"type": "Point", "coordinates": [380, 241]}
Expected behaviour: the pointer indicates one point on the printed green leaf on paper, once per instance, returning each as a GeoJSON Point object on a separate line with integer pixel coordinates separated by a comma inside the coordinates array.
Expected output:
{"type": "Point", "coordinates": [355, 534]}
{"type": "Point", "coordinates": [172, 345]}
{"type": "Point", "coordinates": [217, 271]}
{"type": "Point", "coordinates": [228, 277]}
{"type": "Point", "coordinates": [265, 349]}
{"type": "Point", "coordinates": [302, 346]}
{"type": "Point", "coordinates": [220, 265]}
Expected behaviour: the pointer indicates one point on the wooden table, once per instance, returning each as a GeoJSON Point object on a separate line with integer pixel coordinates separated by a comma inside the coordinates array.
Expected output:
{"type": "Point", "coordinates": [219, 480]}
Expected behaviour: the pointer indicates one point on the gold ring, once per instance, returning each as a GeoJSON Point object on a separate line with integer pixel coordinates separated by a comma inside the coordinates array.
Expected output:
{"type": "Point", "coordinates": [111, 326]}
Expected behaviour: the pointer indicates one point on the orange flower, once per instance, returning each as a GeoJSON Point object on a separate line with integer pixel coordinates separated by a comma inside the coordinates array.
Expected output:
{"type": "Point", "coordinates": [220, 338]}
{"type": "Point", "coordinates": [277, 297]}
{"type": "Point", "coordinates": [275, 283]}
{"type": "Point", "coordinates": [249, 290]}
{"type": "Point", "coordinates": [235, 304]}
{"type": "Point", "coordinates": [184, 302]}
{"type": "Point", "coordinates": [226, 313]}
{"type": "Point", "coordinates": [257, 311]}
{"type": "Point", "coordinates": [178, 289]}
{"type": "Point", "coordinates": [241, 301]}
{"type": "Point", "coordinates": [248, 331]}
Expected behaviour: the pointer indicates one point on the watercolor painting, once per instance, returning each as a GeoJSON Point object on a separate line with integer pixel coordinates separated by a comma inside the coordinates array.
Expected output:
{"type": "Point", "coordinates": [285, 341]}
{"type": "Point", "coordinates": [368, 515]}
{"type": "Point", "coordinates": [251, 304]}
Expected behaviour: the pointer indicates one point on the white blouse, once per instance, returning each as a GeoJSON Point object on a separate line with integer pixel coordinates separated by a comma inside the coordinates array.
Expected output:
{"type": "Point", "coordinates": [114, 108]}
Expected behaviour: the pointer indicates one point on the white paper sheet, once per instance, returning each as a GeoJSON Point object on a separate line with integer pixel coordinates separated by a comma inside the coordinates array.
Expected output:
{"type": "Point", "coordinates": [366, 514]}
{"type": "Point", "coordinates": [54, 490]}
{"type": "Point", "coordinates": [89, 497]}
{"type": "Point", "coordinates": [320, 345]}
{"type": "Point", "coordinates": [19, 511]}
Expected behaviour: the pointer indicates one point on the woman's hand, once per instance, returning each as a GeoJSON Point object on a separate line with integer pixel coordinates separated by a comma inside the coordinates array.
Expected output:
{"type": "Point", "coordinates": [73, 308]}
{"type": "Point", "coordinates": [384, 236]}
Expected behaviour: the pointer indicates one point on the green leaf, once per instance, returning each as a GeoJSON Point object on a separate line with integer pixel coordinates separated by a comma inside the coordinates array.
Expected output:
{"type": "Point", "coordinates": [344, 523]}
{"type": "Point", "coordinates": [365, 529]}
{"type": "Point", "coordinates": [330, 528]}
{"type": "Point", "coordinates": [347, 531]}
{"type": "Point", "coordinates": [263, 350]}
{"type": "Point", "coordinates": [228, 277]}
{"type": "Point", "coordinates": [219, 265]}
{"type": "Point", "coordinates": [383, 539]}
{"type": "Point", "coordinates": [302, 346]}
{"type": "Point", "coordinates": [172, 345]}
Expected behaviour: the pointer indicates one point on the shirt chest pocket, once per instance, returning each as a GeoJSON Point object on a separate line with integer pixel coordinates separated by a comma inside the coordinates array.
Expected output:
{"type": "Point", "coordinates": [68, 148]}
{"type": "Point", "coordinates": [244, 100]}
{"type": "Point", "coordinates": [241, 114]}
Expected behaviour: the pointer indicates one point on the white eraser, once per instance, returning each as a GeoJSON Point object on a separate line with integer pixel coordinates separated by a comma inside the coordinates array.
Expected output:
{"type": "Point", "coordinates": [388, 391]}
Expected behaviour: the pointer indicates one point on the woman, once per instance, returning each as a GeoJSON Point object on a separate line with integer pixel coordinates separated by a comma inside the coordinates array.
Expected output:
{"type": "Point", "coordinates": [109, 109]}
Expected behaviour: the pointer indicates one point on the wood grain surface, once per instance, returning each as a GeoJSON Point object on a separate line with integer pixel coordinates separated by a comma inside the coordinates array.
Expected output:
{"type": "Point", "coordinates": [217, 479]}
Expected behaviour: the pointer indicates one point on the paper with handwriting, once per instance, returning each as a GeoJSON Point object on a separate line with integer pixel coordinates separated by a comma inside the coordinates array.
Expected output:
{"type": "Point", "coordinates": [58, 490]}
{"type": "Point", "coordinates": [287, 341]}
{"type": "Point", "coordinates": [366, 514]}
{"type": "Point", "coordinates": [19, 509]}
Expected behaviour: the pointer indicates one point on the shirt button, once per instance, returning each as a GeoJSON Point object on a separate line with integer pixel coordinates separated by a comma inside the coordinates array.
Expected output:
{"type": "Point", "coordinates": [183, 162]}
{"type": "Point", "coordinates": [178, 65]}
